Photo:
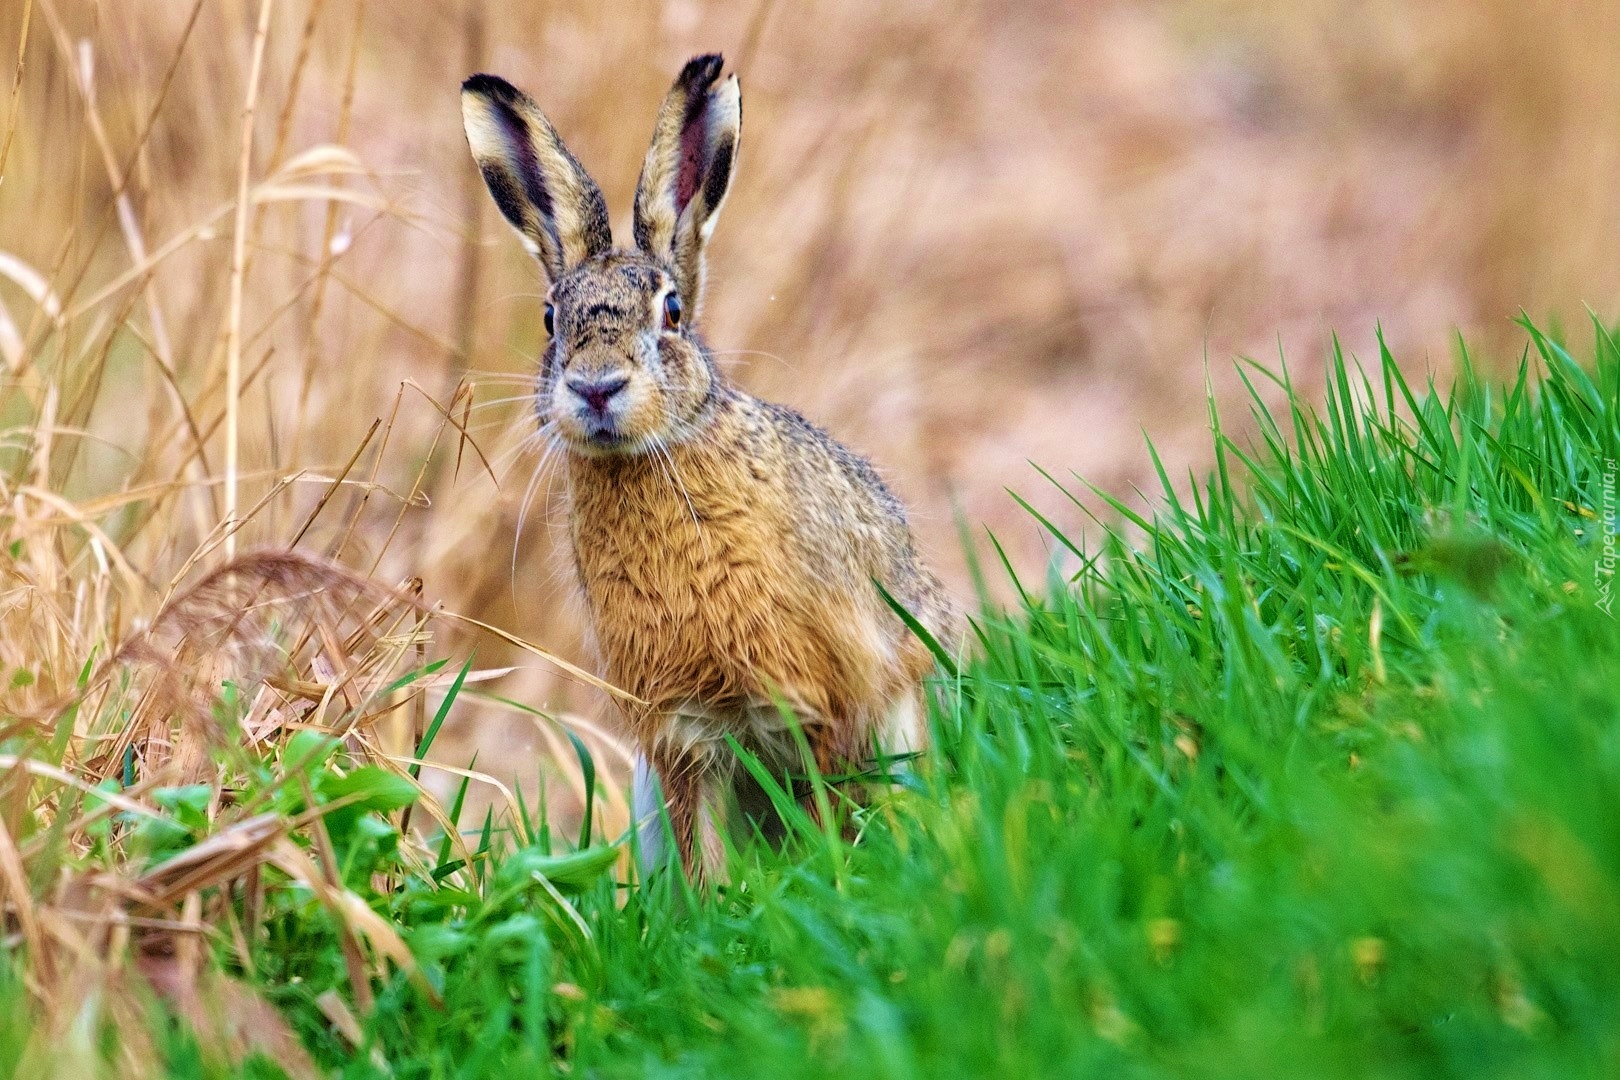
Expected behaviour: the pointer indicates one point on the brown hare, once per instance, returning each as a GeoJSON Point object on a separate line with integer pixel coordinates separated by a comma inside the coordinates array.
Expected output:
{"type": "Point", "coordinates": [726, 548]}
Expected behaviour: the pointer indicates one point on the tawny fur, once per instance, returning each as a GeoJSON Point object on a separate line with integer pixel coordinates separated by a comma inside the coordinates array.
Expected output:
{"type": "Point", "coordinates": [742, 568]}
{"type": "Point", "coordinates": [728, 550]}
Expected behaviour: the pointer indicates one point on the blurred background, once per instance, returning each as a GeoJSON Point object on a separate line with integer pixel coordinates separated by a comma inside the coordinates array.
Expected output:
{"type": "Point", "coordinates": [964, 237]}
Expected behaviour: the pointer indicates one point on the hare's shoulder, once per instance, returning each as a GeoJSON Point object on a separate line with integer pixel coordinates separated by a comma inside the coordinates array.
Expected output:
{"type": "Point", "coordinates": [818, 464]}
{"type": "Point", "coordinates": [846, 515]}
{"type": "Point", "coordinates": [865, 512]}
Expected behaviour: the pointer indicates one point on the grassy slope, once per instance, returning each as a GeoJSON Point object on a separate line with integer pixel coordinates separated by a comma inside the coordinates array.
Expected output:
{"type": "Point", "coordinates": [1316, 778]}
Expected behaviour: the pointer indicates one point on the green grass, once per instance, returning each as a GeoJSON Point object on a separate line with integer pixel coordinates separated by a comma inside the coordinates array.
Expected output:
{"type": "Point", "coordinates": [1315, 774]}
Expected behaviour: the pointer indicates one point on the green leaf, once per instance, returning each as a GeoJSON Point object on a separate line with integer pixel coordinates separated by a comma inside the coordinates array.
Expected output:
{"type": "Point", "coordinates": [439, 716]}
{"type": "Point", "coordinates": [307, 750]}
{"type": "Point", "coordinates": [571, 872]}
{"type": "Point", "coordinates": [378, 788]}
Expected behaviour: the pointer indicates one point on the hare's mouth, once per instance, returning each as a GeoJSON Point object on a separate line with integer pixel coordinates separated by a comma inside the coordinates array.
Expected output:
{"type": "Point", "coordinates": [601, 412]}
{"type": "Point", "coordinates": [598, 437]}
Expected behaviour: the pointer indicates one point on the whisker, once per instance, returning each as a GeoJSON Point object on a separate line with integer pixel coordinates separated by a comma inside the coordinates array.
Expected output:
{"type": "Point", "coordinates": [501, 401]}
{"type": "Point", "coordinates": [513, 453]}
{"type": "Point", "coordinates": [752, 352]}
{"type": "Point", "coordinates": [674, 476]}
{"type": "Point", "coordinates": [496, 423]}
{"type": "Point", "coordinates": [553, 444]}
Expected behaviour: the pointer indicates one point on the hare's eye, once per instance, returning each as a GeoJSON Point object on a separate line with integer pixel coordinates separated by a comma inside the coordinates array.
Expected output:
{"type": "Point", "coordinates": [551, 320]}
{"type": "Point", "coordinates": [672, 311]}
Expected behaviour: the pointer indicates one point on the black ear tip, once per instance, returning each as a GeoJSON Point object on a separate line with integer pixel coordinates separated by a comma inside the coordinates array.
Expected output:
{"type": "Point", "coordinates": [701, 71]}
{"type": "Point", "coordinates": [490, 86]}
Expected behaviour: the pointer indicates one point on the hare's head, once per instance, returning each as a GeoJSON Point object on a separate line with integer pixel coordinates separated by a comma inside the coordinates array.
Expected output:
{"type": "Point", "coordinates": [624, 369]}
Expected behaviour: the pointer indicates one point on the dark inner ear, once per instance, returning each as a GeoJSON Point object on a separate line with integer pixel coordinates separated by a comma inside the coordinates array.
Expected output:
{"type": "Point", "coordinates": [694, 141]}
{"type": "Point", "coordinates": [719, 175]}
{"type": "Point", "coordinates": [516, 134]}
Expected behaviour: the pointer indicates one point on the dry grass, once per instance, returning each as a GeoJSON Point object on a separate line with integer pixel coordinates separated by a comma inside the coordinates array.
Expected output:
{"type": "Point", "coordinates": [299, 644]}
{"type": "Point", "coordinates": [251, 297]}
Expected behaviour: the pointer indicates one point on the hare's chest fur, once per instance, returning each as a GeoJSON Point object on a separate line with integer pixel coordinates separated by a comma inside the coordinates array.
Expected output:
{"type": "Point", "coordinates": [703, 601]}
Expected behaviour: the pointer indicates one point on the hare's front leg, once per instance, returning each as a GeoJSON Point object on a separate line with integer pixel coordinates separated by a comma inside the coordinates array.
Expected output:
{"type": "Point", "coordinates": [647, 817]}
{"type": "Point", "coordinates": [689, 789]}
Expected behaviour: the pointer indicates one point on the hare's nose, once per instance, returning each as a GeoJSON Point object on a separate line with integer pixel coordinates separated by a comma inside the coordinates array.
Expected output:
{"type": "Point", "coordinates": [596, 393]}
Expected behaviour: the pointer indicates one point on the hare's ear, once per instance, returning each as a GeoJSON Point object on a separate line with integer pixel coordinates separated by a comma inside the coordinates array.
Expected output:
{"type": "Point", "coordinates": [557, 209]}
{"type": "Point", "coordinates": [688, 171]}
